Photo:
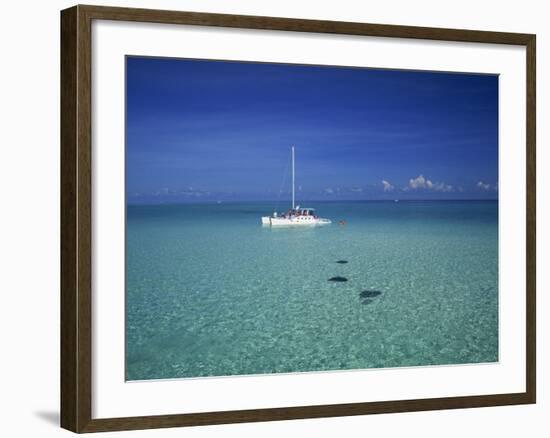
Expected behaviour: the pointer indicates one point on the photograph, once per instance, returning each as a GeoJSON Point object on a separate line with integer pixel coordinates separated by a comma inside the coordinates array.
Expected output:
{"type": "Point", "coordinates": [289, 218]}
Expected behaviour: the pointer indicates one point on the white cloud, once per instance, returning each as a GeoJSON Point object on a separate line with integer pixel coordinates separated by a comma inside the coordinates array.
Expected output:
{"type": "Point", "coordinates": [420, 182]}
{"type": "Point", "coordinates": [388, 187]}
{"type": "Point", "coordinates": [188, 192]}
{"type": "Point", "coordinates": [329, 190]}
{"type": "Point", "coordinates": [483, 186]}
{"type": "Point", "coordinates": [442, 187]}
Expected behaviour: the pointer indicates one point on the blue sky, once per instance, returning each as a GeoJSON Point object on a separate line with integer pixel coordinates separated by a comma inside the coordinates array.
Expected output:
{"type": "Point", "coordinates": [213, 130]}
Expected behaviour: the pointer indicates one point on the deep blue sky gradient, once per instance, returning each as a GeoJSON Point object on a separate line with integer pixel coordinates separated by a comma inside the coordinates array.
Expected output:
{"type": "Point", "coordinates": [213, 130]}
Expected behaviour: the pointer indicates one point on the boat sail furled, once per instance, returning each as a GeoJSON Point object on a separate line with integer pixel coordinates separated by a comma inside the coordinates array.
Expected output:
{"type": "Point", "coordinates": [296, 216]}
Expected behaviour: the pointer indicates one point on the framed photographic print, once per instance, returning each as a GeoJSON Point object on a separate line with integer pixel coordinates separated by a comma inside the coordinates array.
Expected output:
{"type": "Point", "coordinates": [270, 218]}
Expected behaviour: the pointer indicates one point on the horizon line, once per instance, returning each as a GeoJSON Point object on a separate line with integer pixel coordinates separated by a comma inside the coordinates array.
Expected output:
{"type": "Point", "coordinates": [250, 201]}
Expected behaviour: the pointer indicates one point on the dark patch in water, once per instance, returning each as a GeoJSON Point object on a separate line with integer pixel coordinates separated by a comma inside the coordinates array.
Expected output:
{"type": "Point", "coordinates": [342, 262]}
{"type": "Point", "coordinates": [370, 293]}
{"type": "Point", "coordinates": [367, 301]}
{"type": "Point", "coordinates": [338, 279]}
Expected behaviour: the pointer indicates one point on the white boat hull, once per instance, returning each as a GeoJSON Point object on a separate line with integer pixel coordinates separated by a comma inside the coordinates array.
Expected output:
{"type": "Point", "coordinates": [297, 221]}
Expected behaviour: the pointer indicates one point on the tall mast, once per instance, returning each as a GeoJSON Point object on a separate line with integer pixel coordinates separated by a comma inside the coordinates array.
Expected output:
{"type": "Point", "coordinates": [293, 177]}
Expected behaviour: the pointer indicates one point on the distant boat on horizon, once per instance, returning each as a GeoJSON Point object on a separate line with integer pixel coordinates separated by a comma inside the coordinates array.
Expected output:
{"type": "Point", "coordinates": [296, 216]}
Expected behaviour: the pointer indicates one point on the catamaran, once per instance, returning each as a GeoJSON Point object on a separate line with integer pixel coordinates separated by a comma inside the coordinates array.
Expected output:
{"type": "Point", "coordinates": [296, 216]}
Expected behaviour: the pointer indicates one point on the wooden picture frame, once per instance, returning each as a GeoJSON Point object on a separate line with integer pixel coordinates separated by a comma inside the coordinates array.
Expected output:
{"type": "Point", "coordinates": [76, 218]}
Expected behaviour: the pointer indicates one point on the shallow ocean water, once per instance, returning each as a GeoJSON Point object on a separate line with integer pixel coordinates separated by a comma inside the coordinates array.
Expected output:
{"type": "Point", "coordinates": [210, 292]}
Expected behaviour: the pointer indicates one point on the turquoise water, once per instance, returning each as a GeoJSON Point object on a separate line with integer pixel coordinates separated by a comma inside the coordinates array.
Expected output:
{"type": "Point", "coordinates": [210, 292]}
